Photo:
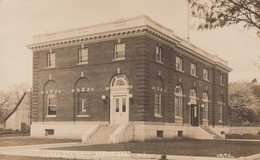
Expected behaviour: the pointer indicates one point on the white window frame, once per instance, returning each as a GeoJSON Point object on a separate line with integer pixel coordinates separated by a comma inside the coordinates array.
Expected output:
{"type": "Point", "coordinates": [83, 105]}
{"type": "Point", "coordinates": [51, 59]}
{"type": "Point", "coordinates": [83, 59]}
{"type": "Point", "coordinates": [178, 101]}
{"type": "Point", "coordinates": [205, 74]}
{"type": "Point", "coordinates": [179, 65]}
{"type": "Point", "coordinates": [119, 55]}
{"type": "Point", "coordinates": [158, 54]}
{"type": "Point", "coordinates": [193, 69]}
{"type": "Point", "coordinates": [221, 105]}
{"type": "Point", "coordinates": [206, 106]}
{"type": "Point", "coordinates": [159, 114]}
{"type": "Point", "coordinates": [221, 79]}
{"type": "Point", "coordinates": [48, 97]}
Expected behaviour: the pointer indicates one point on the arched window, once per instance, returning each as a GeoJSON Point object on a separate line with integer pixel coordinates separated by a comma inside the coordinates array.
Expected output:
{"type": "Point", "coordinates": [178, 101]}
{"type": "Point", "coordinates": [82, 99]}
{"type": "Point", "coordinates": [159, 87]}
{"type": "Point", "coordinates": [119, 81]}
{"type": "Point", "coordinates": [205, 100]}
{"type": "Point", "coordinates": [50, 91]}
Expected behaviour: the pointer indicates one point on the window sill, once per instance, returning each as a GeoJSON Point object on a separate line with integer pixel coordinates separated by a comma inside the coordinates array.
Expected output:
{"type": "Point", "coordinates": [194, 75]}
{"type": "Point", "coordinates": [205, 120]}
{"type": "Point", "coordinates": [182, 71]}
{"type": "Point", "coordinates": [206, 80]}
{"type": "Point", "coordinates": [157, 115]}
{"type": "Point", "coordinates": [159, 62]}
{"type": "Point", "coordinates": [51, 116]}
{"type": "Point", "coordinates": [83, 63]}
{"type": "Point", "coordinates": [118, 59]}
{"type": "Point", "coordinates": [82, 115]}
{"type": "Point", "coordinates": [50, 67]}
{"type": "Point", "coordinates": [222, 85]}
{"type": "Point", "coordinates": [220, 121]}
{"type": "Point", "coordinates": [178, 118]}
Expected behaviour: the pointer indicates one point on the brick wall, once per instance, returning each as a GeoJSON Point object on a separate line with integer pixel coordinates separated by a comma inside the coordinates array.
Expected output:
{"type": "Point", "coordinates": [141, 69]}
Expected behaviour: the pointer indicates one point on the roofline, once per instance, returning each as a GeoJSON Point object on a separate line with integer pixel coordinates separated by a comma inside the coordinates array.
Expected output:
{"type": "Point", "coordinates": [117, 27]}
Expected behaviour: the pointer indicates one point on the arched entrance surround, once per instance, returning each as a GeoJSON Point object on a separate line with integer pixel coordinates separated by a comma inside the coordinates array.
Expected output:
{"type": "Point", "coordinates": [119, 100]}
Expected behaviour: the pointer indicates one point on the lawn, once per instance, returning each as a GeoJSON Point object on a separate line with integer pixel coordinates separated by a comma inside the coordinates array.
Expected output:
{"type": "Point", "coordinates": [179, 147]}
{"type": "Point", "coordinates": [244, 136]}
{"type": "Point", "coordinates": [19, 141]}
{"type": "Point", "coordinates": [5, 157]}
{"type": "Point", "coordinates": [14, 134]}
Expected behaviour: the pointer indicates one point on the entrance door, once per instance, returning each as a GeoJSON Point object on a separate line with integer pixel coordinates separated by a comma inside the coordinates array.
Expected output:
{"type": "Point", "coordinates": [194, 115]}
{"type": "Point", "coordinates": [120, 109]}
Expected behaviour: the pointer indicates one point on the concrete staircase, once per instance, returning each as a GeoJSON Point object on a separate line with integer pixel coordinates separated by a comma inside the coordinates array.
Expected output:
{"type": "Point", "coordinates": [216, 136]}
{"type": "Point", "coordinates": [101, 136]}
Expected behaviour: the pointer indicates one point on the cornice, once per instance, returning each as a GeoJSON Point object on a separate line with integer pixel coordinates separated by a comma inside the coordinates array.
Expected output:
{"type": "Point", "coordinates": [127, 28]}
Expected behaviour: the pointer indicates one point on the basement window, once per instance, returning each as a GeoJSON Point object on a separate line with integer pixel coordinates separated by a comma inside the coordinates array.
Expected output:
{"type": "Point", "coordinates": [49, 132]}
{"type": "Point", "coordinates": [180, 133]}
{"type": "Point", "coordinates": [159, 134]}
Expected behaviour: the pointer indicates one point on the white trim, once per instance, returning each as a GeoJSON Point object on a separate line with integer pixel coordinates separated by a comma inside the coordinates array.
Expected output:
{"type": "Point", "coordinates": [82, 115]}
{"type": "Point", "coordinates": [50, 116]}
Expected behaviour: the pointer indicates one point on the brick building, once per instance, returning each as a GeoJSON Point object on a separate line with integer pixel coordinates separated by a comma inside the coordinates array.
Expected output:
{"type": "Point", "coordinates": [132, 75]}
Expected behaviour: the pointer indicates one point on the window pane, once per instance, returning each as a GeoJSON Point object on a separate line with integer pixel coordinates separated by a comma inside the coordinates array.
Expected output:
{"type": "Point", "coordinates": [51, 104]}
{"type": "Point", "coordinates": [119, 51]}
{"type": "Point", "coordinates": [84, 105]}
{"type": "Point", "coordinates": [157, 103]}
{"type": "Point", "coordinates": [123, 105]}
{"type": "Point", "coordinates": [117, 104]}
{"type": "Point", "coordinates": [83, 55]}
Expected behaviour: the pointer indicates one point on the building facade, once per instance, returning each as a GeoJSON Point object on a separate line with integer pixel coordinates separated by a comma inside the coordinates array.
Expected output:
{"type": "Point", "coordinates": [130, 72]}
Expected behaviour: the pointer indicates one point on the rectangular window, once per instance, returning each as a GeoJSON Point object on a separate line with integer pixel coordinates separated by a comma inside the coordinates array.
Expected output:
{"type": "Point", "coordinates": [84, 105]}
{"type": "Point", "coordinates": [51, 60]}
{"type": "Point", "coordinates": [221, 112]}
{"type": "Point", "coordinates": [83, 102]}
{"type": "Point", "coordinates": [158, 53]}
{"type": "Point", "coordinates": [179, 64]}
{"type": "Point", "coordinates": [157, 104]}
{"type": "Point", "coordinates": [178, 106]}
{"type": "Point", "coordinates": [49, 132]}
{"type": "Point", "coordinates": [83, 55]}
{"type": "Point", "coordinates": [205, 74]}
{"type": "Point", "coordinates": [51, 104]}
{"type": "Point", "coordinates": [159, 134]}
{"type": "Point", "coordinates": [119, 51]}
{"type": "Point", "coordinates": [193, 69]}
{"type": "Point", "coordinates": [221, 79]}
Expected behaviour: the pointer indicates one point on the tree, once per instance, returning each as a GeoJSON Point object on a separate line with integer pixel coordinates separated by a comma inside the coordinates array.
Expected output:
{"type": "Point", "coordinates": [10, 98]}
{"type": "Point", "coordinates": [220, 13]}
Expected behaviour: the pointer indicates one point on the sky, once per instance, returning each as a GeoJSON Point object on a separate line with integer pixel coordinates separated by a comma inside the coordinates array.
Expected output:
{"type": "Point", "coordinates": [21, 19]}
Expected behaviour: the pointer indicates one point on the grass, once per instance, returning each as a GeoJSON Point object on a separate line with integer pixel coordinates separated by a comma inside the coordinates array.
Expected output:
{"type": "Point", "coordinates": [5, 157]}
{"type": "Point", "coordinates": [19, 141]}
{"type": "Point", "coordinates": [186, 147]}
{"type": "Point", "coordinates": [244, 136]}
{"type": "Point", "coordinates": [14, 134]}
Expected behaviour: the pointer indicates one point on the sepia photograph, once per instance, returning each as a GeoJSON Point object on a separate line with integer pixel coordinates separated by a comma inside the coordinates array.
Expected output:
{"type": "Point", "coordinates": [129, 79]}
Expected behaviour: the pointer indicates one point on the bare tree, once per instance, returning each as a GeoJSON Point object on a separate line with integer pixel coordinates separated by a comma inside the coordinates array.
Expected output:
{"type": "Point", "coordinates": [220, 13]}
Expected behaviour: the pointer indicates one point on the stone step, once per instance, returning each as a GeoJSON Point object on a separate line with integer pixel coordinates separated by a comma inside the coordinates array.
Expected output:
{"type": "Point", "coordinates": [216, 137]}
{"type": "Point", "coordinates": [102, 135]}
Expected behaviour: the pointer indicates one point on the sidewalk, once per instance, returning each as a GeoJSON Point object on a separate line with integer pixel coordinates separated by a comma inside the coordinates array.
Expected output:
{"type": "Point", "coordinates": [42, 151]}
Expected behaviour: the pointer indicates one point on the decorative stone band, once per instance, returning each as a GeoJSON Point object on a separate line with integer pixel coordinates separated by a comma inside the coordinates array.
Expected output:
{"type": "Point", "coordinates": [50, 91]}
{"type": "Point", "coordinates": [83, 89]}
{"type": "Point", "coordinates": [154, 88]}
